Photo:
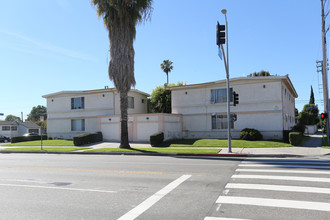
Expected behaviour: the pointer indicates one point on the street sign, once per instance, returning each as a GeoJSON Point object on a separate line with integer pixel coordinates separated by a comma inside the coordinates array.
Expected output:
{"type": "Point", "coordinates": [1, 114]}
{"type": "Point", "coordinates": [42, 118]}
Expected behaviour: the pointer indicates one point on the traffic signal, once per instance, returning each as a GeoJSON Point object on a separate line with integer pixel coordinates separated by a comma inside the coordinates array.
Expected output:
{"type": "Point", "coordinates": [236, 98]}
{"type": "Point", "coordinates": [324, 115]}
{"type": "Point", "coordinates": [234, 117]}
{"type": "Point", "coordinates": [221, 35]}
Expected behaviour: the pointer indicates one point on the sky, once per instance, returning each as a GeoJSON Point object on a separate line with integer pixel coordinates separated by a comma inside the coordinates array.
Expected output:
{"type": "Point", "coordinates": [61, 45]}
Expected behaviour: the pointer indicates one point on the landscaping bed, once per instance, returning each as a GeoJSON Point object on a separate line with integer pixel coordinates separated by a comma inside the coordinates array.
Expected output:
{"type": "Point", "coordinates": [223, 143]}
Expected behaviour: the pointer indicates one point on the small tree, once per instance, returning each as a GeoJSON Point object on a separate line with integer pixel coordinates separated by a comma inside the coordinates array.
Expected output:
{"type": "Point", "coordinates": [261, 73]}
{"type": "Point", "coordinates": [309, 115]}
{"type": "Point", "coordinates": [36, 112]}
{"type": "Point", "coordinates": [13, 118]}
{"type": "Point", "coordinates": [311, 99]}
{"type": "Point", "coordinates": [160, 98]}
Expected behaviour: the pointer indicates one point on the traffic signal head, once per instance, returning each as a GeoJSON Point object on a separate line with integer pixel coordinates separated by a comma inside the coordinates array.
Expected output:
{"type": "Point", "coordinates": [221, 35]}
{"type": "Point", "coordinates": [234, 117]}
{"type": "Point", "coordinates": [324, 115]}
{"type": "Point", "coordinates": [236, 98]}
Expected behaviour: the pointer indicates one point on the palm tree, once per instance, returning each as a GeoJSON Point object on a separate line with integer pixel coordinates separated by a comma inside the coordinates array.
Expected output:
{"type": "Point", "coordinates": [167, 67]}
{"type": "Point", "coordinates": [120, 18]}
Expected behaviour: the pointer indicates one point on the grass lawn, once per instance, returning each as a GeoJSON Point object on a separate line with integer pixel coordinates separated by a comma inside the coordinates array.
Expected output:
{"type": "Point", "coordinates": [223, 143]}
{"type": "Point", "coordinates": [325, 143]}
{"type": "Point", "coordinates": [156, 150]}
{"type": "Point", "coordinates": [45, 149]}
{"type": "Point", "coordinates": [44, 143]}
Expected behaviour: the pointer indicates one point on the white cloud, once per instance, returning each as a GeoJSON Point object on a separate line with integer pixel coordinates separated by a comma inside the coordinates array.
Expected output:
{"type": "Point", "coordinates": [50, 47]}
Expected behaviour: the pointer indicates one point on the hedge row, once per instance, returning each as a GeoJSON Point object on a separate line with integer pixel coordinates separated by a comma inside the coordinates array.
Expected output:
{"type": "Point", "coordinates": [250, 134]}
{"type": "Point", "coordinates": [156, 139]}
{"type": "Point", "coordinates": [295, 138]}
{"type": "Point", "coordinates": [28, 138]}
{"type": "Point", "coordinates": [87, 138]}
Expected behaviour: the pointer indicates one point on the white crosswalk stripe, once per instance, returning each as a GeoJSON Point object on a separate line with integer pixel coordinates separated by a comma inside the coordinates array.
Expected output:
{"type": "Point", "coordinates": [281, 184]}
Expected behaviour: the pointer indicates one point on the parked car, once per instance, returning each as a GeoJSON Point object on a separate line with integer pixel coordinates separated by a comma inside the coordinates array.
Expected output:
{"type": "Point", "coordinates": [4, 139]}
{"type": "Point", "coordinates": [30, 134]}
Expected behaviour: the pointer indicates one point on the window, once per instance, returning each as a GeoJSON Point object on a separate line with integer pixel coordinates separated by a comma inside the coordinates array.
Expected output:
{"type": "Point", "coordinates": [78, 125]}
{"type": "Point", "coordinates": [6, 128]}
{"type": "Point", "coordinates": [130, 102]}
{"type": "Point", "coordinates": [220, 95]}
{"type": "Point", "coordinates": [32, 130]}
{"type": "Point", "coordinates": [78, 103]}
{"type": "Point", "coordinates": [14, 128]}
{"type": "Point", "coordinates": [220, 122]}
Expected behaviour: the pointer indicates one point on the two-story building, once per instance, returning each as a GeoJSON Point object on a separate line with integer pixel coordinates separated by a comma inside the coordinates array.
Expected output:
{"type": "Point", "coordinates": [198, 111]}
{"type": "Point", "coordinates": [266, 103]}
{"type": "Point", "coordinates": [74, 112]}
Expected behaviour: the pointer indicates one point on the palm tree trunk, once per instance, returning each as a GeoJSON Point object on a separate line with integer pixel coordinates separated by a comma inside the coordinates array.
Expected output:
{"type": "Point", "coordinates": [124, 143]}
{"type": "Point", "coordinates": [167, 79]}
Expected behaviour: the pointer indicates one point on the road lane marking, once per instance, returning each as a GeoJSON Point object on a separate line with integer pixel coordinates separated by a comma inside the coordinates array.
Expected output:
{"type": "Point", "coordinates": [294, 178]}
{"type": "Point", "coordinates": [283, 171]}
{"type": "Point", "coordinates": [287, 162]}
{"type": "Point", "coordinates": [284, 166]}
{"type": "Point", "coordinates": [221, 218]}
{"type": "Point", "coordinates": [58, 188]}
{"type": "Point", "coordinates": [146, 204]}
{"type": "Point", "coordinates": [279, 203]}
{"type": "Point", "coordinates": [225, 192]}
{"type": "Point", "coordinates": [278, 188]}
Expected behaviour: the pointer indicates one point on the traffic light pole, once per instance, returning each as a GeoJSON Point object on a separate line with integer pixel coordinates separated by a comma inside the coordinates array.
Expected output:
{"type": "Point", "coordinates": [220, 42]}
{"type": "Point", "coordinates": [324, 70]}
{"type": "Point", "coordinates": [228, 99]}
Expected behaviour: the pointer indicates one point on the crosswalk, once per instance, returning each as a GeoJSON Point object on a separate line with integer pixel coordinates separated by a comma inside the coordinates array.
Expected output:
{"type": "Point", "coordinates": [276, 189]}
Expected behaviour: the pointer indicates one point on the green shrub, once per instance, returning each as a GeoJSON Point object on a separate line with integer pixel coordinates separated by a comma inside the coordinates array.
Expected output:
{"type": "Point", "coordinates": [250, 134]}
{"type": "Point", "coordinates": [87, 138]}
{"type": "Point", "coordinates": [286, 135]}
{"type": "Point", "coordinates": [295, 138]}
{"type": "Point", "coordinates": [27, 138]}
{"type": "Point", "coordinates": [156, 138]}
{"type": "Point", "coordinates": [50, 138]}
{"type": "Point", "coordinates": [299, 128]}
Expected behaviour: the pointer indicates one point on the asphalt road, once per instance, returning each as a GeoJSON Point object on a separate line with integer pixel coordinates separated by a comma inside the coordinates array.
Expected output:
{"type": "Point", "coordinates": [110, 187]}
{"type": "Point", "coordinates": [152, 187]}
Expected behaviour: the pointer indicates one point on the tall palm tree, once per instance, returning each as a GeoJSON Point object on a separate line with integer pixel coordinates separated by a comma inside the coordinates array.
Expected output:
{"type": "Point", "coordinates": [167, 67]}
{"type": "Point", "coordinates": [121, 17]}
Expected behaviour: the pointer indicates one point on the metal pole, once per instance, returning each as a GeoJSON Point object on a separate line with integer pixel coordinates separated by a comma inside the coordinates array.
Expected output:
{"type": "Point", "coordinates": [324, 70]}
{"type": "Point", "coordinates": [228, 91]}
{"type": "Point", "coordinates": [41, 136]}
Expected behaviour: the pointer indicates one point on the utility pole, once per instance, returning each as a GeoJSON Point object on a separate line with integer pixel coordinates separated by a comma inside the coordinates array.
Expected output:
{"type": "Point", "coordinates": [324, 68]}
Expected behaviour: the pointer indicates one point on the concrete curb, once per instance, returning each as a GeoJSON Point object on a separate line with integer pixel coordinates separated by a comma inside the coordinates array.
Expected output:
{"type": "Point", "coordinates": [160, 154]}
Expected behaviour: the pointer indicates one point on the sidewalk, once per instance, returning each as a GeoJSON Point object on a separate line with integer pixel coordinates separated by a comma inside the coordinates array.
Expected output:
{"type": "Point", "coordinates": [310, 148]}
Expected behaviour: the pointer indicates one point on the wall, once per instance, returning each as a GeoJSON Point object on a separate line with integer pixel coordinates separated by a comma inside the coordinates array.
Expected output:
{"type": "Point", "coordinates": [141, 126]}
{"type": "Point", "coordinates": [9, 133]}
{"type": "Point", "coordinates": [97, 104]}
{"type": "Point", "coordinates": [288, 108]}
{"type": "Point", "coordinates": [140, 107]}
{"type": "Point", "coordinates": [260, 107]}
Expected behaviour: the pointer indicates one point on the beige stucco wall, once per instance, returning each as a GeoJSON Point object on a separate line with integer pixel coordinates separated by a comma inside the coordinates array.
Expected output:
{"type": "Point", "coordinates": [139, 107]}
{"type": "Point", "coordinates": [261, 106]}
{"type": "Point", "coordinates": [95, 104]}
{"type": "Point", "coordinates": [288, 108]}
{"type": "Point", "coordinates": [61, 128]}
{"type": "Point", "coordinates": [102, 103]}
{"type": "Point", "coordinates": [141, 126]}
